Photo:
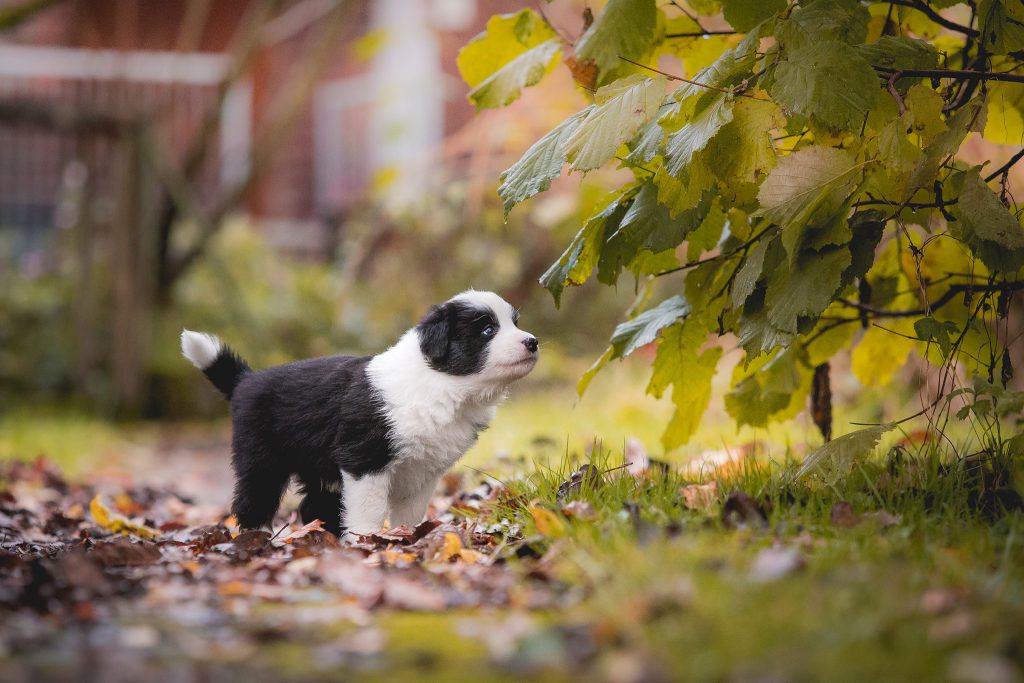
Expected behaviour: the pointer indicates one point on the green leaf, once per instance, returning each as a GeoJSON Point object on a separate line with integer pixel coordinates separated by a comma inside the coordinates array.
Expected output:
{"type": "Point", "coordinates": [756, 333]}
{"type": "Point", "coordinates": [749, 273]}
{"type": "Point", "coordinates": [930, 329]}
{"type": "Point", "coordinates": [541, 164]}
{"type": "Point", "coordinates": [587, 377]}
{"type": "Point", "coordinates": [811, 184]}
{"type": "Point", "coordinates": [678, 364]}
{"type": "Point", "coordinates": [578, 261]}
{"type": "Point", "coordinates": [867, 228]}
{"type": "Point", "coordinates": [707, 235]}
{"type": "Point", "coordinates": [695, 135]}
{"type": "Point", "coordinates": [806, 289]}
{"type": "Point", "coordinates": [504, 86]}
{"type": "Point", "coordinates": [743, 152]}
{"type": "Point", "coordinates": [987, 226]}
{"type": "Point", "coordinates": [680, 194]}
{"type": "Point", "coordinates": [947, 143]}
{"type": "Point", "coordinates": [624, 28]}
{"type": "Point", "coordinates": [647, 225]}
{"type": "Point", "coordinates": [691, 394]}
{"type": "Point", "coordinates": [900, 52]}
{"type": "Point", "coordinates": [835, 459]}
{"type": "Point", "coordinates": [828, 80]}
{"type": "Point", "coordinates": [623, 108]}
{"type": "Point", "coordinates": [1002, 25]}
{"type": "Point", "coordinates": [772, 388]}
{"type": "Point", "coordinates": [845, 21]}
{"type": "Point", "coordinates": [644, 328]}
{"type": "Point", "coordinates": [507, 37]}
{"type": "Point", "coordinates": [744, 15]}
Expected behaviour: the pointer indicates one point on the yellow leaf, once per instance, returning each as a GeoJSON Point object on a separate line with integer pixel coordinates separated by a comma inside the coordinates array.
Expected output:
{"type": "Point", "coordinates": [393, 557]}
{"type": "Point", "coordinates": [1004, 124]}
{"type": "Point", "coordinates": [116, 523]}
{"type": "Point", "coordinates": [548, 523]}
{"type": "Point", "coordinates": [881, 353]}
{"type": "Point", "coordinates": [470, 556]}
{"type": "Point", "coordinates": [507, 37]}
{"type": "Point", "coordinates": [452, 546]}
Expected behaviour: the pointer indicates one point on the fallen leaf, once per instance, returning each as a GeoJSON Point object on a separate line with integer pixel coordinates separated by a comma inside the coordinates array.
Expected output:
{"type": "Point", "coordinates": [700, 496]}
{"type": "Point", "coordinates": [452, 546]}
{"type": "Point", "coordinates": [116, 523]}
{"type": "Point", "coordinates": [123, 552]}
{"type": "Point", "coordinates": [548, 523]}
{"type": "Point", "coordinates": [303, 531]}
{"type": "Point", "coordinates": [740, 510]}
{"type": "Point", "coordinates": [586, 477]}
{"type": "Point", "coordinates": [842, 515]}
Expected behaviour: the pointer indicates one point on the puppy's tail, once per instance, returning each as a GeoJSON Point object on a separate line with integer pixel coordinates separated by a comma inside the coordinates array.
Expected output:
{"type": "Point", "coordinates": [220, 364]}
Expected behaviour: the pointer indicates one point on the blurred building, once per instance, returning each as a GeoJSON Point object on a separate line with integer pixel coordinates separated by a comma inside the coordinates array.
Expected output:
{"type": "Point", "coordinates": [76, 71]}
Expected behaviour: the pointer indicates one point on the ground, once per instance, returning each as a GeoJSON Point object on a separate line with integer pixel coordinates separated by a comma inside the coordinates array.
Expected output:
{"type": "Point", "coordinates": [564, 566]}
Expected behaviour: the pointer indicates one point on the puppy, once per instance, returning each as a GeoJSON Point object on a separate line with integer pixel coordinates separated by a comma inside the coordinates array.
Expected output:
{"type": "Point", "coordinates": [367, 437]}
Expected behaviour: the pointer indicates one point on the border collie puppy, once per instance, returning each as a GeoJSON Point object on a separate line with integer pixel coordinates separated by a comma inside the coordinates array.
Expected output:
{"type": "Point", "coordinates": [367, 437]}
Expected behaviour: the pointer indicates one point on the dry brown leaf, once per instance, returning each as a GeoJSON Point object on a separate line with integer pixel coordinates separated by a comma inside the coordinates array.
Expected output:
{"type": "Point", "coordinates": [701, 497]}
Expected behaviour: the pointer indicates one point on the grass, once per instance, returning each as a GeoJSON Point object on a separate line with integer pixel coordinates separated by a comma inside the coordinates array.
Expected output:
{"type": "Point", "coordinates": [674, 592]}
{"type": "Point", "coordinates": [937, 594]}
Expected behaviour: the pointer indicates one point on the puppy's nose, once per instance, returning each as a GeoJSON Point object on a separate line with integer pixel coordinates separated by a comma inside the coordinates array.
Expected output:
{"type": "Point", "coordinates": [531, 344]}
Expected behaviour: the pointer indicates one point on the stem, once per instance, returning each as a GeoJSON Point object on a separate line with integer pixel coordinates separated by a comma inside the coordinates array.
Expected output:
{"type": "Point", "coordinates": [673, 77]}
{"type": "Point", "coordinates": [969, 75]}
{"type": "Point", "coordinates": [700, 34]}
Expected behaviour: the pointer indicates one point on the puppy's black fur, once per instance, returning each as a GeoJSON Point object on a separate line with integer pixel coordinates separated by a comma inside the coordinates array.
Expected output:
{"type": "Point", "coordinates": [453, 337]}
{"type": "Point", "coordinates": [314, 418]}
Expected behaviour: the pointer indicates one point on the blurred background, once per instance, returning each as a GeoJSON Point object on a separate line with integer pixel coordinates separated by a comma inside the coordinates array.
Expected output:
{"type": "Point", "coordinates": [300, 177]}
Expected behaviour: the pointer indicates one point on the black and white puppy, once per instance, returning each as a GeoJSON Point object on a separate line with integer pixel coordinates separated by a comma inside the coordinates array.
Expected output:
{"type": "Point", "coordinates": [368, 437]}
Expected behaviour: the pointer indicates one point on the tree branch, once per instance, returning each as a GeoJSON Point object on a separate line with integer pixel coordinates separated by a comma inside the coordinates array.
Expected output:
{"type": "Point", "coordinates": [923, 8]}
{"type": "Point", "coordinates": [700, 34]}
{"type": "Point", "coordinates": [953, 73]}
{"type": "Point", "coordinates": [948, 296]}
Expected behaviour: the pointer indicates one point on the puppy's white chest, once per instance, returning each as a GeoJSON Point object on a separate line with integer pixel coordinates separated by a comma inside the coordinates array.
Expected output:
{"type": "Point", "coordinates": [436, 444]}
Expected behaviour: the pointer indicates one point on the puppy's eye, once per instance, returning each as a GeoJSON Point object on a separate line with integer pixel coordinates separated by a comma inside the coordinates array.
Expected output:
{"type": "Point", "coordinates": [489, 331]}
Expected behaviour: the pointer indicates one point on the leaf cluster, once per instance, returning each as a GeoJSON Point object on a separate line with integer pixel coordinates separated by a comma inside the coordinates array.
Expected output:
{"type": "Point", "coordinates": [801, 182]}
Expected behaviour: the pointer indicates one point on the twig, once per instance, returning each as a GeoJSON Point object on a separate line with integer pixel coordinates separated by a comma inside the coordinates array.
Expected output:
{"type": "Point", "coordinates": [673, 77]}
{"type": "Point", "coordinates": [968, 75]}
{"type": "Point", "coordinates": [1005, 167]}
{"type": "Point", "coordinates": [726, 255]}
{"type": "Point", "coordinates": [948, 296]}
{"type": "Point", "coordinates": [936, 17]}
{"type": "Point", "coordinates": [700, 34]}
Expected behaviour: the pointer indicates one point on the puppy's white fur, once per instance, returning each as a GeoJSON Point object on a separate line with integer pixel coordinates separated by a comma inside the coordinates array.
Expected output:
{"type": "Point", "coordinates": [199, 348]}
{"type": "Point", "coordinates": [434, 418]}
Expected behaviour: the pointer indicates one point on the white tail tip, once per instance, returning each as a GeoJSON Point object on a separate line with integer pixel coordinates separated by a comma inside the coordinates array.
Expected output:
{"type": "Point", "coordinates": [199, 348]}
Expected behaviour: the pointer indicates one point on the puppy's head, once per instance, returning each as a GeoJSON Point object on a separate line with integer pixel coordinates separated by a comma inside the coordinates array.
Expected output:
{"type": "Point", "coordinates": [476, 333]}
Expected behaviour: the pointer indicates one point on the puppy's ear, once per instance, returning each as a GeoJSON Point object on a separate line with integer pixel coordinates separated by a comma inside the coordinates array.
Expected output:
{"type": "Point", "coordinates": [433, 331]}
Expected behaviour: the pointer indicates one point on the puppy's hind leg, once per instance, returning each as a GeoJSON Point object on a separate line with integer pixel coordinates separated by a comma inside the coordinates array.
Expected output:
{"type": "Point", "coordinates": [322, 504]}
{"type": "Point", "coordinates": [259, 485]}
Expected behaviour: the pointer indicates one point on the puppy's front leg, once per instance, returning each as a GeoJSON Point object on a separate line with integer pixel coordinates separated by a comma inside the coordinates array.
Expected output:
{"type": "Point", "coordinates": [365, 501]}
{"type": "Point", "coordinates": [410, 509]}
